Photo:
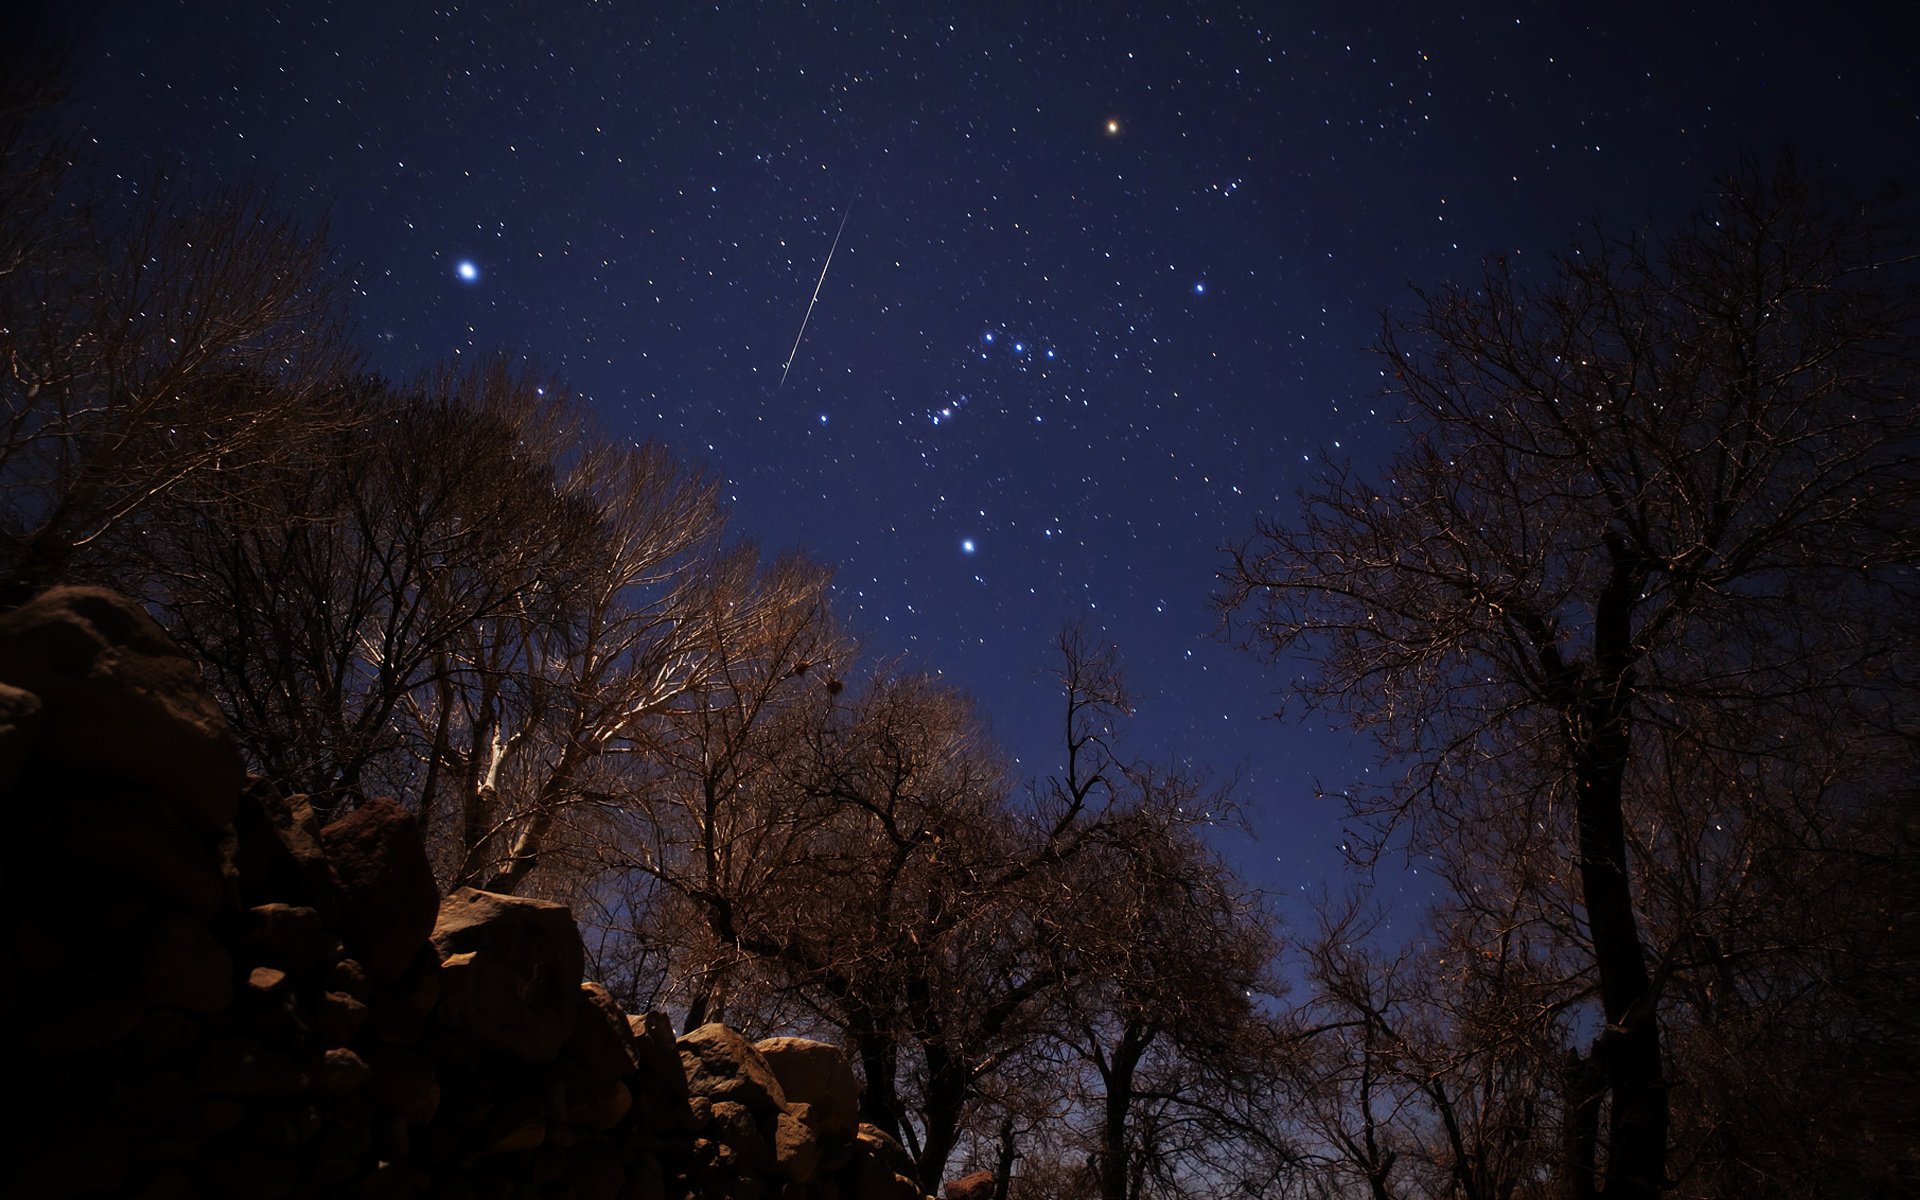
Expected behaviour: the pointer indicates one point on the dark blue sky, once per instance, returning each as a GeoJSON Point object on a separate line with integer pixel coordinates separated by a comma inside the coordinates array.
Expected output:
{"type": "Point", "coordinates": [1106, 283]}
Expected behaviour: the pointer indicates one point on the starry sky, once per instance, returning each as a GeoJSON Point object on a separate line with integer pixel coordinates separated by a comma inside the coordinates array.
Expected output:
{"type": "Point", "coordinates": [1101, 286]}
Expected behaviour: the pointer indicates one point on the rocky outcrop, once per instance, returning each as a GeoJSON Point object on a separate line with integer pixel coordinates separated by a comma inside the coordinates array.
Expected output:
{"type": "Point", "coordinates": [208, 991]}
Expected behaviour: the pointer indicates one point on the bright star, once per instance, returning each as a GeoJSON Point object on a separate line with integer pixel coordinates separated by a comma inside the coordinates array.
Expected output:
{"type": "Point", "coordinates": [467, 272]}
{"type": "Point", "coordinates": [966, 545]}
{"type": "Point", "coordinates": [1200, 287]}
{"type": "Point", "coordinates": [1113, 126]}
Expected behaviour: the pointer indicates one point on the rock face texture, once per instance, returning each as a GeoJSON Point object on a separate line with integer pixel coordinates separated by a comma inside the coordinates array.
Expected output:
{"type": "Point", "coordinates": [206, 991]}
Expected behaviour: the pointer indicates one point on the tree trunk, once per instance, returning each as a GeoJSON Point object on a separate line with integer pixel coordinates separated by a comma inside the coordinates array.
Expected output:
{"type": "Point", "coordinates": [1115, 1156]}
{"type": "Point", "coordinates": [1627, 1052]}
{"type": "Point", "coordinates": [946, 1095]}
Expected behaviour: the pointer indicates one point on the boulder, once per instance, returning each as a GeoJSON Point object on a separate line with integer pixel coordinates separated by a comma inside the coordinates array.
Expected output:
{"type": "Point", "coordinates": [184, 966]}
{"type": "Point", "coordinates": [337, 1071]}
{"type": "Point", "coordinates": [796, 1146]}
{"type": "Point", "coordinates": [660, 1085]}
{"type": "Point", "coordinates": [128, 836]}
{"type": "Point", "coordinates": [740, 1129]}
{"type": "Point", "coordinates": [977, 1186]}
{"type": "Point", "coordinates": [403, 1082]}
{"type": "Point", "coordinates": [880, 1146]}
{"type": "Point", "coordinates": [388, 902]}
{"type": "Point", "coordinates": [121, 701]}
{"type": "Point", "coordinates": [598, 1106]}
{"type": "Point", "coordinates": [721, 1065]}
{"type": "Point", "coordinates": [510, 972]}
{"type": "Point", "coordinates": [19, 717]}
{"type": "Point", "coordinates": [817, 1074]}
{"type": "Point", "coordinates": [601, 1045]}
{"type": "Point", "coordinates": [135, 840]}
{"type": "Point", "coordinates": [291, 936]}
{"type": "Point", "coordinates": [277, 855]}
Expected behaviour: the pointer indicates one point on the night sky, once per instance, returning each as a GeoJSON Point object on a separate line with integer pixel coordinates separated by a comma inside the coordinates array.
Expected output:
{"type": "Point", "coordinates": [1103, 287]}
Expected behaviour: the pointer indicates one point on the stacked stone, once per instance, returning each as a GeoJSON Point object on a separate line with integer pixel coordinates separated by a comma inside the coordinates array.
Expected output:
{"type": "Point", "coordinates": [209, 991]}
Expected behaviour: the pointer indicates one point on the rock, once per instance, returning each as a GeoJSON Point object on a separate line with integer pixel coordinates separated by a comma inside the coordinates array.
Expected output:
{"type": "Point", "coordinates": [82, 1023]}
{"type": "Point", "coordinates": [599, 1106]}
{"type": "Point", "coordinates": [400, 1008]}
{"type": "Point", "coordinates": [977, 1186]}
{"type": "Point", "coordinates": [284, 1126]}
{"type": "Point", "coordinates": [721, 1065]}
{"type": "Point", "coordinates": [601, 1045]}
{"type": "Point", "coordinates": [514, 1127]}
{"type": "Point", "coordinates": [238, 1065]}
{"type": "Point", "coordinates": [185, 967]}
{"type": "Point", "coordinates": [338, 1071]}
{"type": "Point", "coordinates": [337, 1017]}
{"type": "Point", "coordinates": [819, 1075]}
{"type": "Point", "coordinates": [19, 718]}
{"type": "Point", "coordinates": [290, 936]}
{"type": "Point", "coordinates": [162, 1183]}
{"type": "Point", "coordinates": [388, 901]}
{"type": "Point", "coordinates": [121, 701]}
{"type": "Point", "coordinates": [266, 981]}
{"type": "Point", "coordinates": [136, 839]}
{"type": "Point", "coordinates": [349, 978]}
{"type": "Point", "coordinates": [277, 852]}
{"type": "Point", "coordinates": [736, 1126]}
{"type": "Point", "coordinates": [880, 1146]}
{"type": "Point", "coordinates": [403, 1082]}
{"type": "Point", "coordinates": [243, 1173]}
{"type": "Point", "coordinates": [510, 972]}
{"type": "Point", "coordinates": [796, 1148]}
{"type": "Point", "coordinates": [661, 1076]}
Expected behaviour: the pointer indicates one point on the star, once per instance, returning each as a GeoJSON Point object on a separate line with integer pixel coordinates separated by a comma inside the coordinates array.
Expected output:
{"type": "Point", "coordinates": [1113, 127]}
{"type": "Point", "coordinates": [966, 546]}
{"type": "Point", "coordinates": [467, 271]}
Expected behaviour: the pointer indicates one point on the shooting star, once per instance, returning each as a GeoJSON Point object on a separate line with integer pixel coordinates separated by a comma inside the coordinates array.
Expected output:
{"type": "Point", "coordinates": [816, 296]}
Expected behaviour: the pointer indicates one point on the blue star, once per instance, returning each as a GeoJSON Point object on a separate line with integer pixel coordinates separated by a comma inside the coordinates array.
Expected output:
{"type": "Point", "coordinates": [467, 271]}
{"type": "Point", "coordinates": [966, 546]}
{"type": "Point", "coordinates": [1200, 287]}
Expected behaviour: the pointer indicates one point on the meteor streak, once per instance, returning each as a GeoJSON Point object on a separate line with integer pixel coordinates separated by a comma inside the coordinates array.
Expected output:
{"type": "Point", "coordinates": [816, 296]}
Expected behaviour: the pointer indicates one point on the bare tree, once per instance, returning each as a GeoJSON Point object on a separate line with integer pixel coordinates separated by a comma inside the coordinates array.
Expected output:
{"type": "Point", "coordinates": [464, 596]}
{"type": "Point", "coordinates": [1169, 1010]}
{"type": "Point", "coordinates": [153, 333]}
{"type": "Point", "coordinates": [1657, 508]}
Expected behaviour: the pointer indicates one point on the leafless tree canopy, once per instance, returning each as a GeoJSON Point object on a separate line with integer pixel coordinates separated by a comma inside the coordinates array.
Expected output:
{"type": "Point", "coordinates": [1633, 606]}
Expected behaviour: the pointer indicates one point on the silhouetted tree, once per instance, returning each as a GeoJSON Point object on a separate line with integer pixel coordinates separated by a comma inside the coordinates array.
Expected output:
{"type": "Point", "coordinates": [155, 334]}
{"type": "Point", "coordinates": [1653, 524]}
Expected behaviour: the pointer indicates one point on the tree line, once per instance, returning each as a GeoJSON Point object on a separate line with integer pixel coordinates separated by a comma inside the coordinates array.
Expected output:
{"type": "Point", "coordinates": [1631, 613]}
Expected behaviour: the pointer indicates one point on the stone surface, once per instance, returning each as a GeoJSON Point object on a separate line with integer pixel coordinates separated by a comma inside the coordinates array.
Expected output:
{"type": "Point", "coordinates": [404, 1082]}
{"type": "Point", "coordinates": [19, 718]}
{"type": "Point", "coordinates": [290, 936]}
{"type": "Point", "coordinates": [740, 1129]}
{"type": "Point", "coordinates": [820, 1076]}
{"type": "Point", "coordinates": [277, 854]}
{"type": "Point", "coordinates": [977, 1186]}
{"type": "Point", "coordinates": [796, 1147]}
{"type": "Point", "coordinates": [510, 972]}
{"type": "Point", "coordinates": [338, 1071]}
{"type": "Point", "coordinates": [882, 1147]}
{"type": "Point", "coordinates": [721, 1065]}
{"type": "Point", "coordinates": [388, 902]}
{"type": "Point", "coordinates": [601, 1045]}
{"type": "Point", "coordinates": [133, 838]}
{"type": "Point", "coordinates": [98, 662]}
{"type": "Point", "coordinates": [184, 966]}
